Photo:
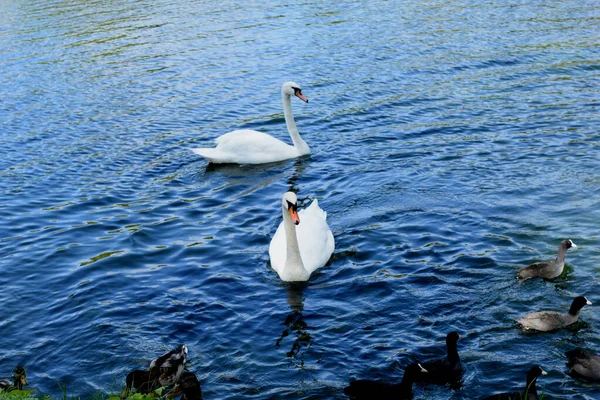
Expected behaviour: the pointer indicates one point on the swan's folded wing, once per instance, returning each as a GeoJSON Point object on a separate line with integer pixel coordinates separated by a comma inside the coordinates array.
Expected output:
{"type": "Point", "coordinates": [247, 147]}
{"type": "Point", "coordinates": [255, 147]}
{"type": "Point", "coordinates": [315, 239]}
{"type": "Point", "coordinates": [315, 210]}
{"type": "Point", "coordinates": [247, 137]}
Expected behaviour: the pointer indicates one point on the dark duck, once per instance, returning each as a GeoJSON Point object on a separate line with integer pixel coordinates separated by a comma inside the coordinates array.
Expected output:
{"type": "Point", "coordinates": [445, 370]}
{"type": "Point", "coordinates": [528, 393]}
{"type": "Point", "coordinates": [584, 364]}
{"type": "Point", "coordinates": [367, 389]}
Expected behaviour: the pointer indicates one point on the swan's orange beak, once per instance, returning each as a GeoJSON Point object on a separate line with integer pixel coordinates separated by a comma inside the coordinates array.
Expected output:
{"type": "Point", "coordinates": [294, 214]}
{"type": "Point", "coordinates": [299, 95]}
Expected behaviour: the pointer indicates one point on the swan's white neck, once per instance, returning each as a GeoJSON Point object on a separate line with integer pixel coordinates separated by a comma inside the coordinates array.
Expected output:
{"type": "Point", "coordinates": [299, 143]}
{"type": "Point", "coordinates": [293, 269]}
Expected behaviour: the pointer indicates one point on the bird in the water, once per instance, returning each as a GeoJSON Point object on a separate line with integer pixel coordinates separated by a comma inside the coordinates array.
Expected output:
{"type": "Point", "coordinates": [584, 364]}
{"type": "Point", "coordinates": [302, 243]}
{"type": "Point", "coordinates": [19, 380]}
{"type": "Point", "coordinates": [546, 321]}
{"type": "Point", "coordinates": [247, 146]}
{"type": "Point", "coordinates": [366, 389]}
{"type": "Point", "coordinates": [188, 385]}
{"type": "Point", "coordinates": [446, 370]}
{"type": "Point", "coordinates": [167, 368]}
{"type": "Point", "coordinates": [547, 269]}
{"type": "Point", "coordinates": [530, 391]}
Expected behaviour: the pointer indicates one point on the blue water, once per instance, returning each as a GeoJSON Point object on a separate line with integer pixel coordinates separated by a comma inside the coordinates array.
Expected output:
{"type": "Point", "coordinates": [452, 142]}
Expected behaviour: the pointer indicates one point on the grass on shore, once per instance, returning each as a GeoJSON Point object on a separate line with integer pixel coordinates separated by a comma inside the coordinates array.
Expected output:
{"type": "Point", "coordinates": [28, 395]}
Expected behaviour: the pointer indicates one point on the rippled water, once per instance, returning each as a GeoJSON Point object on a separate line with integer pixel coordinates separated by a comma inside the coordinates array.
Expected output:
{"type": "Point", "coordinates": [452, 142]}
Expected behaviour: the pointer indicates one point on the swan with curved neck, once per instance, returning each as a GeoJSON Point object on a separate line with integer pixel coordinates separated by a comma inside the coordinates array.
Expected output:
{"type": "Point", "coordinates": [252, 147]}
{"type": "Point", "coordinates": [303, 241]}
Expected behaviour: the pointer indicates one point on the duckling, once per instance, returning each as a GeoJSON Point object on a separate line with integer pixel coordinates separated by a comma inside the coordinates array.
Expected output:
{"type": "Point", "coordinates": [188, 385]}
{"type": "Point", "coordinates": [20, 380]}
{"type": "Point", "coordinates": [167, 368]}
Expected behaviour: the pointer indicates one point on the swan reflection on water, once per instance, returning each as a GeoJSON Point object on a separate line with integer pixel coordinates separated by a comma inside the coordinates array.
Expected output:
{"type": "Point", "coordinates": [251, 170]}
{"type": "Point", "coordinates": [259, 176]}
{"type": "Point", "coordinates": [297, 172]}
{"type": "Point", "coordinates": [295, 325]}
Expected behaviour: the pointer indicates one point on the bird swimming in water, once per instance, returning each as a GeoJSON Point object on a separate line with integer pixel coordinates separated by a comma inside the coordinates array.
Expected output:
{"type": "Point", "coordinates": [530, 391]}
{"type": "Point", "coordinates": [367, 389]}
{"type": "Point", "coordinates": [547, 269]}
{"type": "Point", "coordinates": [546, 321]}
{"type": "Point", "coordinates": [446, 370]}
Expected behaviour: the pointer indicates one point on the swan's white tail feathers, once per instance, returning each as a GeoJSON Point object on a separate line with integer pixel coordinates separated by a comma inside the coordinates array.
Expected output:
{"type": "Point", "coordinates": [211, 155]}
{"type": "Point", "coordinates": [316, 210]}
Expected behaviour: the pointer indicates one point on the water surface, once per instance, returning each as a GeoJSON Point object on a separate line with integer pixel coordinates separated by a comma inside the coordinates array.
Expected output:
{"type": "Point", "coordinates": [452, 142]}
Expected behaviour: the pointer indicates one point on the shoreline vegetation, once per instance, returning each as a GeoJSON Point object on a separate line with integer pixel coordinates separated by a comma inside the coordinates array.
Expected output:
{"type": "Point", "coordinates": [31, 394]}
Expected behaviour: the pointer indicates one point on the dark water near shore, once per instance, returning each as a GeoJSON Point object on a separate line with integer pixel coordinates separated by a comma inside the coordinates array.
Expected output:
{"type": "Point", "coordinates": [452, 142]}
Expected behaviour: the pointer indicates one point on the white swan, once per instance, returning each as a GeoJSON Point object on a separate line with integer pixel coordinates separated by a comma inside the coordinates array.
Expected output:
{"type": "Point", "coordinates": [297, 251]}
{"type": "Point", "coordinates": [252, 147]}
